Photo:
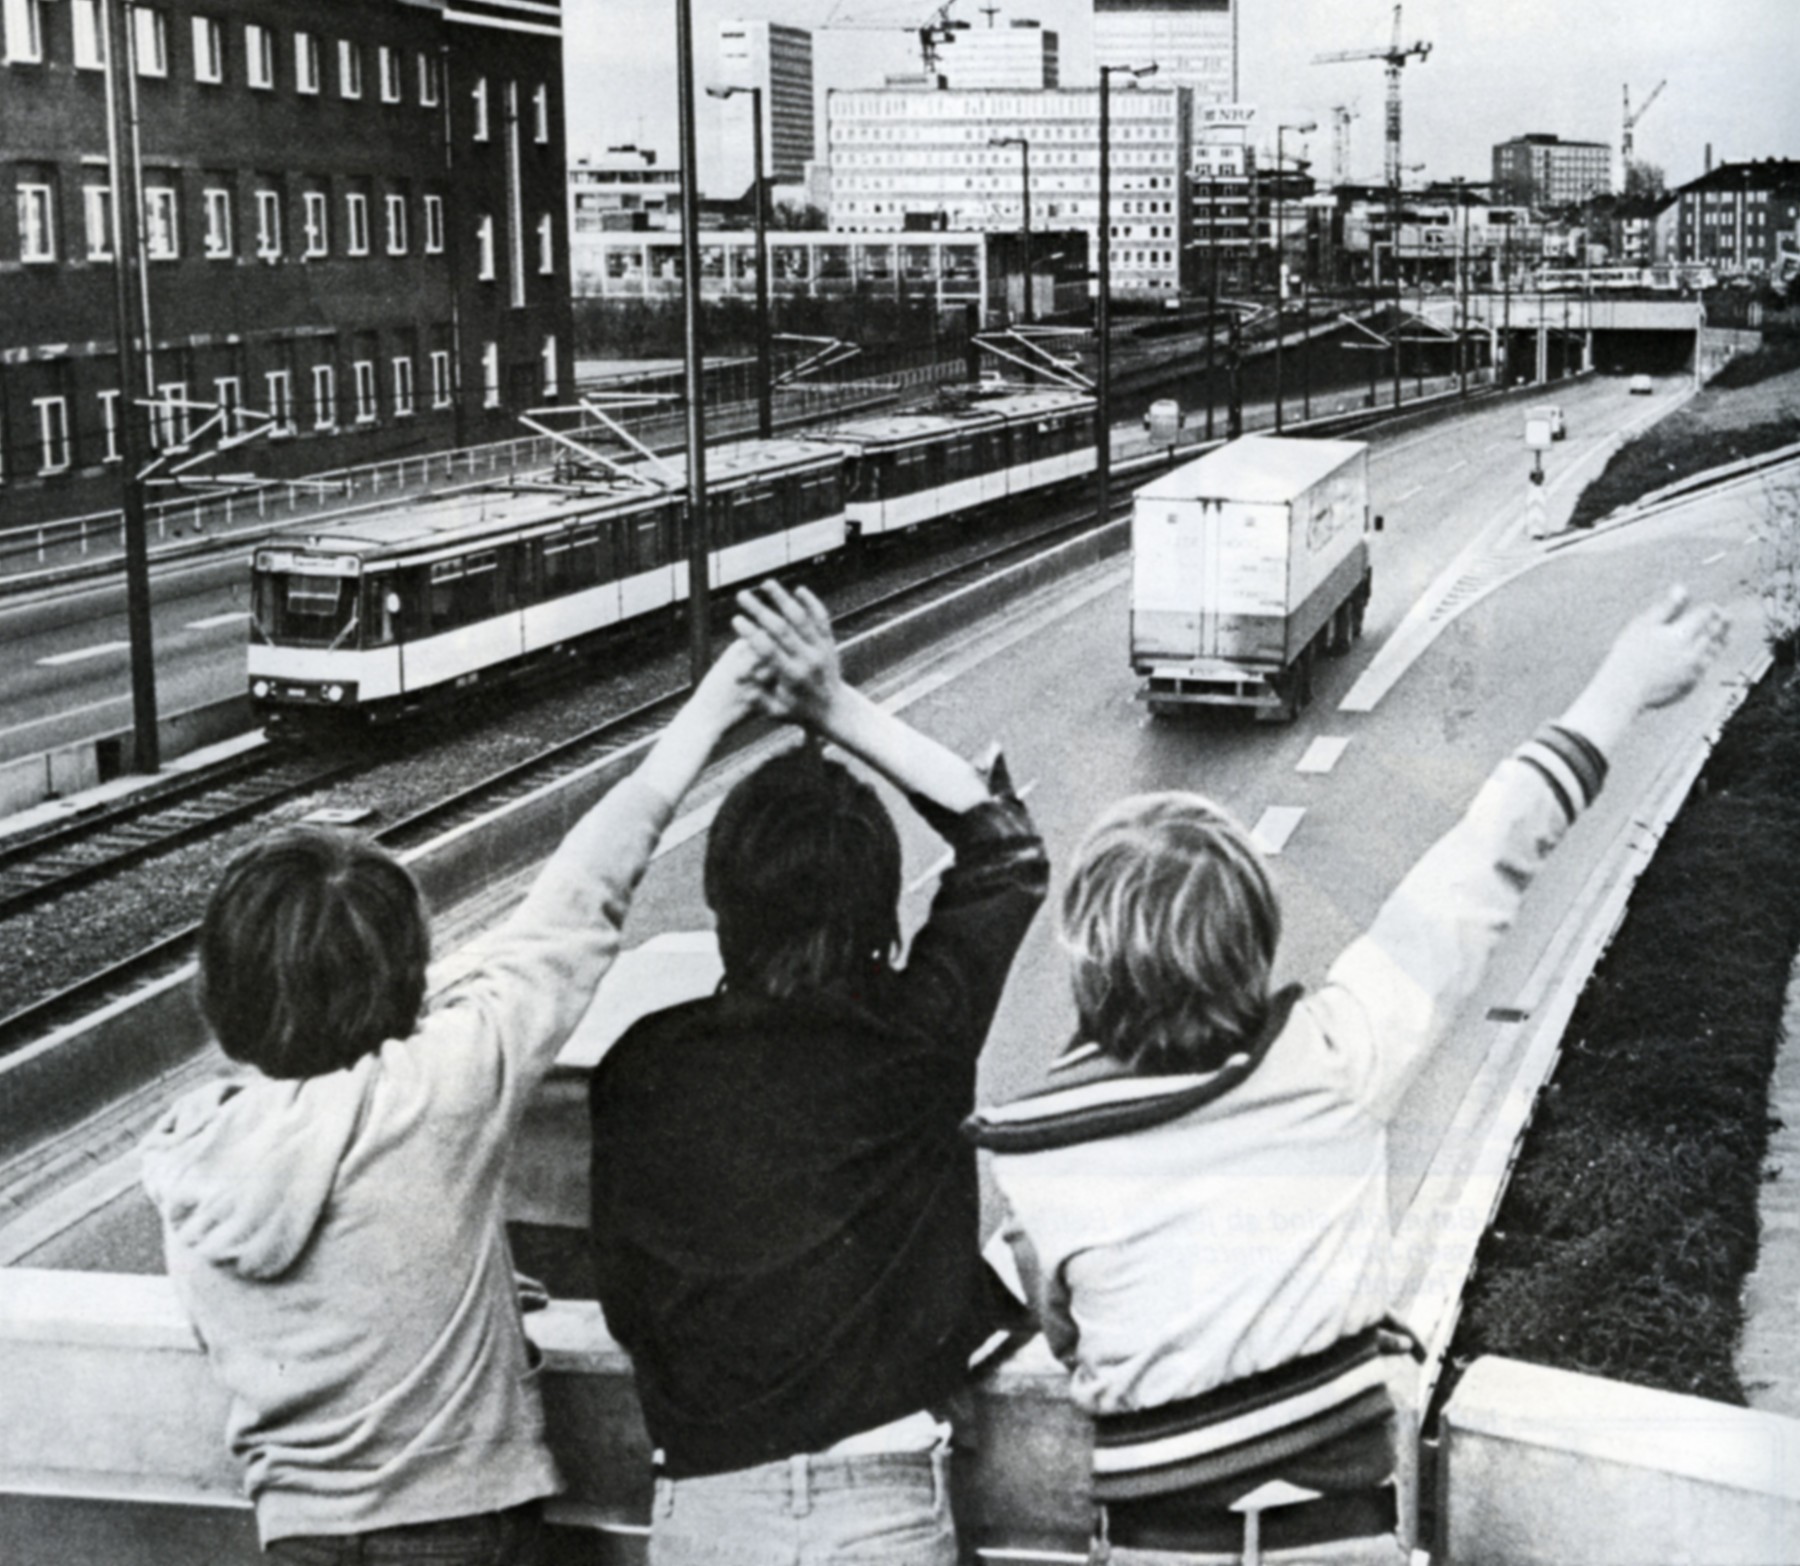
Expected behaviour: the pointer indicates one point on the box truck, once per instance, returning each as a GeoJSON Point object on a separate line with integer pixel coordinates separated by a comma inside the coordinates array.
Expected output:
{"type": "Point", "coordinates": [1246, 565]}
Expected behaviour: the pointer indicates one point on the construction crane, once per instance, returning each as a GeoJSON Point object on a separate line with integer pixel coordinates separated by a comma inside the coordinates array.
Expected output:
{"type": "Point", "coordinates": [1394, 57]}
{"type": "Point", "coordinates": [937, 28]}
{"type": "Point", "coordinates": [1341, 116]}
{"type": "Point", "coordinates": [1632, 119]}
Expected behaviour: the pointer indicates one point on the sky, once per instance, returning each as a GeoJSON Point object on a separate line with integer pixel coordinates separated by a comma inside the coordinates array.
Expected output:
{"type": "Point", "coordinates": [1497, 69]}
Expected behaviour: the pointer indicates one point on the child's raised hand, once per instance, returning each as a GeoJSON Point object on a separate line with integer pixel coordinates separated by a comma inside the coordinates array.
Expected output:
{"type": "Point", "coordinates": [733, 687]}
{"type": "Point", "coordinates": [796, 656]}
{"type": "Point", "coordinates": [1660, 656]}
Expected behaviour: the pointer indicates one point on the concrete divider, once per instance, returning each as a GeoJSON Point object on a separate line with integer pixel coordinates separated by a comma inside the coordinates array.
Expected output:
{"type": "Point", "coordinates": [1540, 1467]}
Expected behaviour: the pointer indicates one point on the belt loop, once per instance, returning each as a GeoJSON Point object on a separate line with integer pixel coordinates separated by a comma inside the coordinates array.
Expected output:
{"type": "Point", "coordinates": [940, 1463]}
{"type": "Point", "coordinates": [799, 1485]}
{"type": "Point", "coordinates": [663, 1503]}
{"type": "Point", "coordinates": [1100, 1552]}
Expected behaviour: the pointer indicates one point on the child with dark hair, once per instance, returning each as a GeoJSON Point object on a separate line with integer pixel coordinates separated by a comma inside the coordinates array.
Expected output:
{"type": "Point", "coordinates": [785, 1218]}
{"type": "Point", "coordinates": [332, 1216]}
{"type": "Point", "coordinates": [1199, 1202]}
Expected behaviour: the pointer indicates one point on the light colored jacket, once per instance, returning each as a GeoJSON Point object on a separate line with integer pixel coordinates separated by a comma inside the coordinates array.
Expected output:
{"type": "Point", "coordinates": [1181, 1233]}
{"type": "Point", "coordinates": [338, 1241]}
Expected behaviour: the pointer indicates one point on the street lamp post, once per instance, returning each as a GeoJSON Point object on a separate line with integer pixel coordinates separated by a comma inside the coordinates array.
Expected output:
{"type": "Point", "coordinates": [1103, 305]}
{"type": "Point", "coordinates": [699, 564]}
{"type": "Point", "coordinates": [765, 368]}
{"type": "Point", "coordinates": [1279, 209]}
{"type": "Point", "coordinates": [1023, 143]}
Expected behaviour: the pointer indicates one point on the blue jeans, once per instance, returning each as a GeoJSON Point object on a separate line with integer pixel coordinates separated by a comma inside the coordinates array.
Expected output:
{"type": "Point", "coordinates": [887, 1510]}
{"type": "Point", "coordinates": [511, 1538]}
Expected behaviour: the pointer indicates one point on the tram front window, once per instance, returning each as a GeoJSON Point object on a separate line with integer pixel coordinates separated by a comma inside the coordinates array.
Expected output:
{"type": "Point", "coordinates": [302, 610]}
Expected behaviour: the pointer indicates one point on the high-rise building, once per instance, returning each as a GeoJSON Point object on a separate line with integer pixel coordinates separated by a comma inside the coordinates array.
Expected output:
{"type": "Point", "coordinates": [1739, 218]}
{"type": "Point", "coordinates": [1024, 54]}
{"type": "Point", "coordinates": [354, 221]}
{"type": "Point", "coordinates": [779, 60]}
{"type": "Point", "coordinates": [1546, 171]}
{"type": "Point", "coordinates": [1192, 42]}
{"type": "Point", "coordinates": [900, 153]}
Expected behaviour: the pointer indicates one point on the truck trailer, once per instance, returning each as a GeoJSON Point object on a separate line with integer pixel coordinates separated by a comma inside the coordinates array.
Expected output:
{"type": "Point", "coordinates": [1246, 565]}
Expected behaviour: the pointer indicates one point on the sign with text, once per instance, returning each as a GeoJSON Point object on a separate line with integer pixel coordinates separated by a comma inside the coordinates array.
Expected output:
{"type": "Point", "coordinates": [1226, 116]}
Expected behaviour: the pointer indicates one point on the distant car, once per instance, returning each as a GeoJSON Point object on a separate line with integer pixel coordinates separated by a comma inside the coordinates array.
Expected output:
{"type": "Point", "coordinates": [1552, 415]}
{"type": "Point", "coordinates": [1641, 386]}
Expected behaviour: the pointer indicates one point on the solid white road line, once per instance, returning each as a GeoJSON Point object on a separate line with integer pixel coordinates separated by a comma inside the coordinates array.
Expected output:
{"type": "Point", "coordinates": [104, 649]}
{"type": "Point", "coordinates": [212, 621]}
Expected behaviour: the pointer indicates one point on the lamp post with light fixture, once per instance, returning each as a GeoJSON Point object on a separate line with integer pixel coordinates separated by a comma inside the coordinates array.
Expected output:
{"type": "Point", "coordinates": [1023, 143]}
{"type": "Point", "coordinates": [765, 369]}
{"type": "Point", "coordinates": [1103, 305]}
{"type": "Point", "coordinates": [1280, 209]}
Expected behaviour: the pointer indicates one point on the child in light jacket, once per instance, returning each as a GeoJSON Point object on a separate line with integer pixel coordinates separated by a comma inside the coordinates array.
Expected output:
{"type": "Point", "coordinates": [1199, 1202]}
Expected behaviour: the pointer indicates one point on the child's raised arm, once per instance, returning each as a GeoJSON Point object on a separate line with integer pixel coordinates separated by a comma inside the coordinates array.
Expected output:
{"type": "Point", "coordinates": [801, 681]}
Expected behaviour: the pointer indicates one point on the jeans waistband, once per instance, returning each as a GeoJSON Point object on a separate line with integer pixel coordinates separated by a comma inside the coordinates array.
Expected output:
{"type": "Point", "coordinates": [808, 1474]}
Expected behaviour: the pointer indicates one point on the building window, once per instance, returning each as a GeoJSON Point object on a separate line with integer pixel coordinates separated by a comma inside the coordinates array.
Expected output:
{"type": "Point", "coordinates": [403, 387]}
{"type": "Point", "coordinates": [396, 225]}
{"type": "Point", "coordinates": [349, 68]}
{"type": "Point", "coordinates": [280, 388]}
{"type": "Point", "coordinates": [490, 375]}
{"type": "Point", "coordinates": [162, 222]}
{"type": "Point", "coordinates": [169, 416]}
{"type": "Point", "coordinates": [218, 222]}
{"type": "Point", "coordinates": [550, 382]}
{"type": "Point", "coordinates": [268, 224]}
{"type": "Point", "coordinates": [388, 61]}
{"type": "Point", "coordinates": [109, 425]}
{"type": "Point", "coordinates": [428, 80]}
{"type": "Point", "coordinates": [209, 50]}
{"type": "Point", "coordinates": [480, 95]}
{"type": "Point", "coordinates": [37, 223]}
{"type": "Point", "coordinates": [366, 404]}
{"type": "Point", "coordinates": [440, 378]}
{"type": "Point", "coordinates": [53, 434]}
{"type": "Point", "coordinates": [24, 31]}
{"type": "Point", "coordinates": [90, 37]}
{"type": "Point", "coordinates": [306, 63]}
{"type": "Point", "coordinates": [484, 250]}
{"type": "Point", "coordinates": [228, 392]}
{"type": "Point", "coordinates": [259, 56]}
{"type": "Point", "coordinates": [546, 244]}
{"type": "Point", "coordinates": [540, 114]}
{"type": "Point", "coordinates": [96, 209]}
{"type": "Point", "coordinates": [356, 224]}
{"type": "Point", "coordinates": [324, 391]}
{"type": "Point", "coordinates": [434, 225]}
{"type": "Point", "coordinates": [150, 41]}
{"type": "Point", "coordinates": [318, 232]}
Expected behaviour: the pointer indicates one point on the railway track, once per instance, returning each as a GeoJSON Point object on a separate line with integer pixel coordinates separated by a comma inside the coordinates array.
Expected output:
{"type": "Point", "coordinates": [234, 796]}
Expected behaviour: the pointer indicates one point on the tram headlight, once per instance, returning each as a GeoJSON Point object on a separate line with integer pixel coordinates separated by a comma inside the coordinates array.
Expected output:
{"type": "Point", "coordinates": [260, 690]}
{"type": "Point", "coordinates": [334, 693]}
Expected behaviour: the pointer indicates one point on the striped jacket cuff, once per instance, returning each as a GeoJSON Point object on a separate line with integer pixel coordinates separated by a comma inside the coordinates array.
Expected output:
{"type": "Point", "coordinates": [1569, 762]}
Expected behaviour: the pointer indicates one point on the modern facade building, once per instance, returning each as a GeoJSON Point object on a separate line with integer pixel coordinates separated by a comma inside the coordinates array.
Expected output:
{"type": "Point", "coordinates": [1546, 171]}
{"type": "Point", "coordinates": [900, 153]}
{"type": "Point", "coordinates": [1192, 42]}
{"type": "Point", "coordinates": [779, 60]}
{"type": "Point", "coordinates": [1023, 54]}
{"type": "Point", "coordinates": [1741, 219]}
{"type": "Point", "coordinates": [625, 187]}
{"type": "Point", "coordinates": [354, 221]}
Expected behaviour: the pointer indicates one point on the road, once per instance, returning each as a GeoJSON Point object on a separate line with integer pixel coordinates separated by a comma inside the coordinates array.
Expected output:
{"type": "Point", "coordinates": [1050, 680]}
{"type": "Point", "coordinates": [67, 674]}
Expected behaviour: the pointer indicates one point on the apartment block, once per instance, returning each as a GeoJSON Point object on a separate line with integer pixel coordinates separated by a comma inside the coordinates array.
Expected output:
{"type": "Point", "coordinates": [354, 221]}
{"type": "Point", "coordinates": [779, 61]}
{"type": "Point", "coordinates": [1545, 171]}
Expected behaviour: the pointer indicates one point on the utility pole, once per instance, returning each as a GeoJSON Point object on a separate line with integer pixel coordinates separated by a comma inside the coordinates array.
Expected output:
{"type": "Point", "coordinates": [699, 563]}
{"type": "Point", "coordinates": [765, 359]}
{"type": "Point", "coordinates": [1103, 305]}
{"type": "Point", "coordinates": [1023, 143]}
{"type": "Point", "coordinates": [127, 210]}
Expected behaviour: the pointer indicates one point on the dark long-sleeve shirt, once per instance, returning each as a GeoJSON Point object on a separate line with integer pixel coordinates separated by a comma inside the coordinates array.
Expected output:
{"type": "Point", "coordinates": [784, 1214]}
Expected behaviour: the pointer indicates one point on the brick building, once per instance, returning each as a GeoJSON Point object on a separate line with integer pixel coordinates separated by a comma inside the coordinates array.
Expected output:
{"type": "Point", "coordinates": [1739, 218]}
{"type": "Point", "coordinates": [355, 219]}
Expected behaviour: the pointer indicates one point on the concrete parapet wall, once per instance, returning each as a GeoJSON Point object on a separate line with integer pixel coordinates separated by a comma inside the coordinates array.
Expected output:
{"type": "Point", "coordinates": [113, 1448]}
{"type": "Point", "coordinates": [1540, 1467]}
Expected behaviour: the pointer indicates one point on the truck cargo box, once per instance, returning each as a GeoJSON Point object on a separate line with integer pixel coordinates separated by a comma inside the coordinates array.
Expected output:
{"type": "Point", "coordinates": [1245, 563]}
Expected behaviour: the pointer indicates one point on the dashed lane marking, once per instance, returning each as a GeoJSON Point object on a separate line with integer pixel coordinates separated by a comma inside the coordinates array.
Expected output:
{"type": "Point", "coordinates": [81, 655]}
{"type": "Point", "coordinates": [1322, 755]}
{"type": "Point", "coordinates": [214, 621]}
{"type": "Point", "coordinates": [1276, 826]}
